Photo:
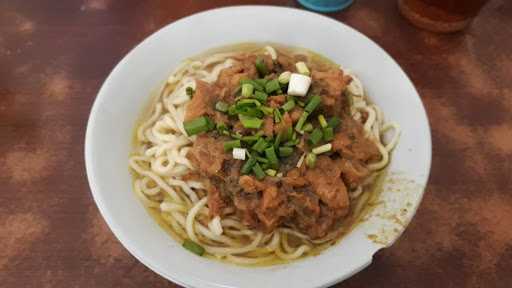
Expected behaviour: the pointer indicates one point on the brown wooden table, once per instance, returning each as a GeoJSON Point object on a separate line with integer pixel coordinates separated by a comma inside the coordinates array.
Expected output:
{"type": "Point", "coordinates": [54, 55]}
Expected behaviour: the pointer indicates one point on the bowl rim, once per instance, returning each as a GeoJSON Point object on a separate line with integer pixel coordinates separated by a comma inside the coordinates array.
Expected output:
{"type": "Point", "coordinates": [88, 151]}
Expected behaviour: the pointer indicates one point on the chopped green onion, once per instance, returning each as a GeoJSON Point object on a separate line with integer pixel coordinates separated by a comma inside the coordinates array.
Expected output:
{"type": "Point", "coordinates": [229, 145]}
{"type": "Point", "coordinates": [222, 106]}
{"type": "Point", "coordinates": [308, 127]}
{"type": "Point", "coordinates": [272, 86]}
{"type": "Point", "coordinates": [193, 247]}
{"type": "Point", "coordinates": [321, 120]}
{"type": "Point", "coordinates": [284, 77]}
{"type": "Point", "coordinates": [260, 96]}
{"type": "Point", "coordinates": [232, 110]}
{"type": "Point", "coordinates": [250, 122]}
{"type": "Point", "coordinates": [334, 122]}
{"type": "Point", "coordinates": [278, 117]}
{"type": "Point", "coordinates": [258, 171]}
{"type": "Point", "coordinates": [313, 103]}
{"type": "Point", "coordinates": [289, 133]}
{"type": "Point", "coordinates": [190, 91]}
{"type": "Point", "coordinates": [328, 133]}
{"type": "Point", "coordinates": [198, 125]}
{"type": "Point", "coordinates": [294, 136]}
{"type": "Point", "coordinates": [247, 90]}
{"type": "Point", "coordinates": [277, 141]}
{"type": "Point", "coordinates": [261, 67]}
{"type": "Point", "coordinates": [221, 126]}
{"type": "Point", "coordinates": [292, 143]}
{"type": "Point", "coordinates": [261, 159]}
{"type": "Point", "coordinates": [270, 153]}
{"type": "Point", "coordinates": [288, 105]}
{"type": "Point", "coordinates": [236, 135]}
{"type": "Point", "coordinates": [301, 103]}
{"type": "Point", "coordinates": [271, 172]}
{"type": "Point", "coordinates": [246, 168]}
{"type": "Point", "coordinates": [248, 102]}
{"type": "Point", "coordinates": [261, 81]}
{"type": "Point", "coordinates": [251, 138]}
{"type": "Point", "coordinates": [255, 84]}
{"type": "Point", "coordinates": [302, 68]}
{"type": "Point", "coordinates": [285, 151]}
{"type": "Point", "coordinates": [260, 145]}
{"type": "Point", "coordinates": [267, 110]}
{"type": "Point", "coordinates": [310, 160]}
{"type": "Point", "coordinates": [249, 111]}
{"type": "Point", "coordinates": [302, 120]}
{"type": "Point", "coordinates": [322, 149]}
{"type": "Point", "coordinates": [315, 136]}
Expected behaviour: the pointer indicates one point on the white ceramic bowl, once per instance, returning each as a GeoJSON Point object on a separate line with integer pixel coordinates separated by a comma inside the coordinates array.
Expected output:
{"type": "Point", "coordinates": [127, 90]}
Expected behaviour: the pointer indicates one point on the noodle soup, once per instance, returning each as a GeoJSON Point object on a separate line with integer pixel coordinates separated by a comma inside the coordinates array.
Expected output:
{"type": "Point", "coordinates": [257, 154]}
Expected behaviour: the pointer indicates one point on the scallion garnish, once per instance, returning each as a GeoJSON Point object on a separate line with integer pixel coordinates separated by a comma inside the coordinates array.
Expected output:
{"type": "Point", "coordinates": [270, 153]}
{"type": "Point", "coordinates": [277, 141]}
{"type": "Point", "coordinates": [198, 125]}
{"type": "Point", "coordinates": [310, 160]}
{"type": "Point", "coordinates": [301, 121]}
{"type": "Point", "coordinates": [260, 145]}
{"type": "Point", "coordinates": [322, 149]}
{"type": "Point", "coordinates": [272, 86]}
{"type": "Point", "coordinates": [246, 168]}
{"type": "Point", "coordinates": [289, 105]}
{"type": "Point", "coordinates": [308, 127]}
{"type": "Point", "coordinates": [278, 117]}
{"type": "Point", "coordinates": [250, 122]}
{"type": "Point", "coordinates": [261, 81]}
{"type": "Point", "coordinates": [193, 247]}
{"type": "Point", "coordinates": [313, 103]}
{"type": "Point", "coordinates": [322, 121]}
{"type": "Point", "coordinates": [260, 96]}
{"type": "Point", "coordinates": [232, 110]}
{"type": "Point", "coordinates": [248, 102]}
{"type": "Point", "coordinates": [334, 122]}
{"type": "Point", "coordinates": [258, 171]}
{"type": "Point", "coordinates": [251, 138]}
{"type": "Point", "coordinates": [271, 172]}
{"type": "Point", "coordinates": [261, 67]}
{"type": "Point", "coordinates": [236, 135]}
{"type": "Point", "coordinates": [229, 145]}
{"type": "Point", "coordinates": [267, 110]}
{"type": "Point", "coordinates": [255, 84]}
{"type": "Point", "coordinates": [221, 126]}
{"type": "Point", "coordinates": [247, 90]}
{"type": "Point", "coordinates": [249, 111]}
{"type": "Point", "coordinates": [285, 151]}
{"type": "Point", "coordinates": [315, 136]}
{"type": "Point", "coordinates": [284, 77]}
{"type": "Point", "coordinates": [328, 133]}
{"type": "Point", "coordinates": [292, 143]}
{"type": "Point", "coordinates": [288, 134]}
{"type": "Point", "coordinates": [302, 68]}
{"type": "Point", "coordinates": [261, 159]}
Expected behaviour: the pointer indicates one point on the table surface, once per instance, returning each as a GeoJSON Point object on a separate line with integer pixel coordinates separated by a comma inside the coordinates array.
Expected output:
{"type": "Point", "coordinates": [54, 57]}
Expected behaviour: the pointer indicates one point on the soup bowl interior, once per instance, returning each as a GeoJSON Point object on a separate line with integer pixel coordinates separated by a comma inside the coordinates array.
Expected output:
{"type": "Point", "coordinates": [127, 90]}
